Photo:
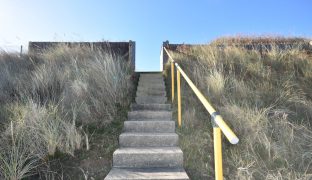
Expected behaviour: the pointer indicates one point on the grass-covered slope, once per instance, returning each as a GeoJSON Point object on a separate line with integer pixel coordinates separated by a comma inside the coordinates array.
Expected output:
{"type": "Point", "coordinates": [265, 97]}
{"type": "Point", "coordinates": [59, 104]}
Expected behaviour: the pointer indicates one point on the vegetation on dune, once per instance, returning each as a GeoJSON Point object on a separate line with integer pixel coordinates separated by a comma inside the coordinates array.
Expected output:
{"type": "Point", "coordinates": [265, 97]}
{"type": "Point", "coordinates": [49, 102]}
{"type": "Point", "coordinates": [240, 40]}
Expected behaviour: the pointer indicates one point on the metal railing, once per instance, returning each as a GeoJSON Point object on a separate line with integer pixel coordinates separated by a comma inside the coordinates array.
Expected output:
{"type": "Point", "coordinates": [217, 121]}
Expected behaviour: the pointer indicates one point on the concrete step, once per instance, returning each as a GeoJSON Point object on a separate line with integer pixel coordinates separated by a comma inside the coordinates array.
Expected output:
{"type": "Point", "coordinates": [135, 115]}
{"type": "Point", "coordinates": [151, 99]}
{"type": "Point", "coordinates": [151, 74]}
{"type": "Point", "coordinates": [149, 88]}
{"type": "Point", "coordinates": [148, 95]}
{"type": "Point", "coordinates": [156, 75]}
{"type": "Point", "coordinates": [152, 107]}
{"type": "Point", "coordinates": [145, 79]}
{"type": "Point", "coordinates": [150, 126]}
{"type": "Point", "coordinates": [159, 80]}
{"type": "Point", "coordinates": [151, 119]}
{"type": "Point", "coordinates": [150, 92]}
{"type": "Point", "coordinates": [129, 139]}
{"type": "Point", "coordinates": [148, 157]}
{"type": "Point", "coordinates": [151, 85]}
{"type": "Point", "coordinates": [147, 174]}
{"type": "Point", "coordinates": [156, 80]}
{"type": "Point", "coordinates": [151, 77]}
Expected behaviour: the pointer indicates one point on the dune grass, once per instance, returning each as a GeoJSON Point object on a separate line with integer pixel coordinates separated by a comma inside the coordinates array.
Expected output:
{"type": "Point", "coordinates": [266, 99]}
{"type": "Point", "coordinates": [48, 102]}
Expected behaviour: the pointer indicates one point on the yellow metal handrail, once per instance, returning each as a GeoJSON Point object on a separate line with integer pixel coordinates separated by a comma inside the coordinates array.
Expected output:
{"type": "Point", "coordinates": [217, 120]}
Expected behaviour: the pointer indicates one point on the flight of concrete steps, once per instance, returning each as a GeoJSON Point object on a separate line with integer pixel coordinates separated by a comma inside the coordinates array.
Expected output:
{"type": "Point", "coordinates": [149, 145]}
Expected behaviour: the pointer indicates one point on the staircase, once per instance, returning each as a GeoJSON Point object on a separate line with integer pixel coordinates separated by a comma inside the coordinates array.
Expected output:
{"type": "Point", "coordinates": [149, 145]}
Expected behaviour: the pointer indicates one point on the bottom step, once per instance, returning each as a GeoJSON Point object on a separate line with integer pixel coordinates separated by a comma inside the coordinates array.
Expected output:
{"type": "Point", "coordinates": [148, 174]}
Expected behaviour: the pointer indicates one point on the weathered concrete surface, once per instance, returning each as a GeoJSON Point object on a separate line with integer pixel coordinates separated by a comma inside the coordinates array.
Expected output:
{"type": "Point", "coordinates": [149, 145]}
{"type": "Point", "coordinates": [151, 107]}
{"type": "Point", "coordinates": [150, 92]}
{"type": "Point", "coordinates": [131, 139]}
{"type": "Point", "coordinates": [150, 126]}
{"type": "Point", "coordinates": [147, 174]}
{"type": "Point", "coordinates": [147, 88]}
{"type": "Point", "coordinates": [151, 99]}
{"type": "Point", "coordinates": [148, 157]}
{"type": "Point", "coordinates": [149, 115]}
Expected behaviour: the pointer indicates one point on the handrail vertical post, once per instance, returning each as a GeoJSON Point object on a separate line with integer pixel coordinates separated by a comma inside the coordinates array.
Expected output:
{"type": "Point", "coordinates": [179, 97]}
{"type": "Point", "coordinates": [217, 152]}
{"type": "Point", "coordinates": [172, 82]}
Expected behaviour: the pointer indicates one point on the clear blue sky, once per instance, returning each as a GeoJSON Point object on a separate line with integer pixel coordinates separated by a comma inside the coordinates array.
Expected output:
{"type": "Point", "coordinates": [149, 22]}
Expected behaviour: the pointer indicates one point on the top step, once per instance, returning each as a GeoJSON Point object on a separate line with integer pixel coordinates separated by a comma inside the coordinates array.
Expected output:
{"type": "Point", "coordinates": [150, 76]}
{"type": "Point", "coordinates": [147, 79]}
{"type": "Point", "coordinates": [154, 80]}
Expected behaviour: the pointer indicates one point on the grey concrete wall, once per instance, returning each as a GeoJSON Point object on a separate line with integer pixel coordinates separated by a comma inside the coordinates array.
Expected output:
{"type": "Point", "coordinates": [164, 54]}
{"type": "Point", "coordinates": [124, 49]}
{"type": "Point", "coordinates": [132, 53]}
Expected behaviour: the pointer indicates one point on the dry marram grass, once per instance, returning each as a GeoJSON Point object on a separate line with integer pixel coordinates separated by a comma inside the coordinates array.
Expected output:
{"type": "Point", "coordinates": [266, 99]}
{"type": "Point", "coordinates": [46, 100]}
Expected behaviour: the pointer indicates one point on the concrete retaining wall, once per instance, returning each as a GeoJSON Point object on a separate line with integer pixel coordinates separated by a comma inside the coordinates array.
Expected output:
{"type": "Point", "coordinates": [124, 49]}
